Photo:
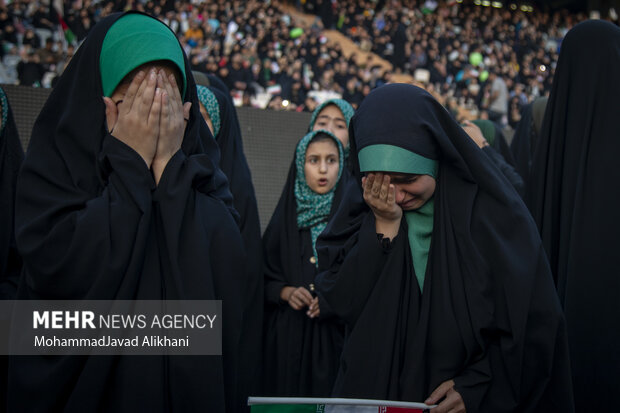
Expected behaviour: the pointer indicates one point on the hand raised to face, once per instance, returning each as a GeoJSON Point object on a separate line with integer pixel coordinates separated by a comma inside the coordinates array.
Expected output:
{"type": "Point", "coordinates": [173, 119]}
{"type": "Point", "coordinates": [380, 196]}
{"type": "Point", "coordinates": [134, 117]}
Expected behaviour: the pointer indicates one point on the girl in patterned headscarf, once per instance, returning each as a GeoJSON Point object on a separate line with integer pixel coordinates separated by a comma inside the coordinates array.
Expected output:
{"type": "Point", "coordinates": [334, 116]}
{"type": "Point", "coordinates": [302, 341]}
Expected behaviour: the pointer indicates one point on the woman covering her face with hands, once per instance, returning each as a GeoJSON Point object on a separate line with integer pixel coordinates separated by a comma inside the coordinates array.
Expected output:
{"type": "Point", "coordinates": [120, 197]}
{"type": "Point", "coordinates": [435, 267]}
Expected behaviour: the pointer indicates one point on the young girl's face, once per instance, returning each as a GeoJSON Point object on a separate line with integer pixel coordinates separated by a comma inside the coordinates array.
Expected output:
{"type": "Point", "coordinates": [412, 191]}
{"type": "Point", "coordinates": [331, 119]}
{"type": "Point", "coordinates": [321, 166]}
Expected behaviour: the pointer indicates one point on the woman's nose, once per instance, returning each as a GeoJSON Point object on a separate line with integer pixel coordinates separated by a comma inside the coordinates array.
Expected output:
{"type": "Point", "coordinates": [323, 166]}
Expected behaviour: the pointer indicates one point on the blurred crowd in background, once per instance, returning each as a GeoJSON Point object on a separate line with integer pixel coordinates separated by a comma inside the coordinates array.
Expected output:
{"type": "Point", "coordinates": [476, 57]}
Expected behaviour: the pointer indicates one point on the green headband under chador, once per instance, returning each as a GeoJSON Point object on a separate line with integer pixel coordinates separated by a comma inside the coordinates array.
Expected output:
{"type": "Point", "coordinates": [390, 158]}
{"type": "Point", "coordinates": [133, 40]}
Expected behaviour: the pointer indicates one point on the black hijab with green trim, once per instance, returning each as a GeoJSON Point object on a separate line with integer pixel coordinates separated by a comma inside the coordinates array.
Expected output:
{"type": "Point", "coordinates": [92, 224]}
{"type": "Point", "coordinates": [488, 317]}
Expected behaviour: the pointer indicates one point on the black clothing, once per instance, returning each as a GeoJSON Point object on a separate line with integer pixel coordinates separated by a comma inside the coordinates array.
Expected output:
{"type": "Point", "coordinates": [301, 355]}
{"type": "Point", "coordinates": [487, 315]}
{"type": "Point", "coordinates": [507, 170]}
{"type": "Point", "coordinates": [11, 157]}
{"type": "Point", "coordinates": [234, 164]}
{"type": "Point", "coordinates": [92, 224]}
{"type": "Point", "coordinates": [526, 136]}
{"type": "Point", "coordinates": [574, 199]}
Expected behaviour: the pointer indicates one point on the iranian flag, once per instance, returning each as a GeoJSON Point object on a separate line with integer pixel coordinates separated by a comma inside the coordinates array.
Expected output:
{"type": "Point", "coordinates": [316, 405]}
{"type": "Point", "coordinates": [57, 14]}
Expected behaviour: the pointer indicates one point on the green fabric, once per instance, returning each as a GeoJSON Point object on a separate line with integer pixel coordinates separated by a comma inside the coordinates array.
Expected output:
{"type": "Point", "coordinates": [133, 40]}
{"type": "Point", "coordinates": [209, 101]}
{"type": "Point", "coordinates": [390, 158]}
{"type": "Point", "coordinates": [420, 231]}
{"type": "Point", "coordinates": [312, 208]}
{"type": "Point", "coordinates": [487, 128]}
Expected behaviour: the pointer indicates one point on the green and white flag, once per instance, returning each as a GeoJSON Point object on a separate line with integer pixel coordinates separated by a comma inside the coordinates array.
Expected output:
{"type": "Point", "coordinates": [332, 405]}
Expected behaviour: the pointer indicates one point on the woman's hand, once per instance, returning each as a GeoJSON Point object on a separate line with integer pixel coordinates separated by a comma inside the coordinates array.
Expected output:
{"type": "Point", "coordinates": [313, 310]}
{"type": "Point", "coordinates": [297, 298]}
{"type": "Point", "coordinates": [380, 196]}
{"type": "Point", "coordinates": [172, 123]}
{"type": "Point", "coordinates": [136, 119]}
{"type": "Point", "coordinates": [453, 402]}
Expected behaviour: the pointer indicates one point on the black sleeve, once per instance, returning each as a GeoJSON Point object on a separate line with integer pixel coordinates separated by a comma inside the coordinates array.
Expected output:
{"type": "Point", "coordinates": [346, 286]}
{"type": "Point", "coordinates": [509, 172]}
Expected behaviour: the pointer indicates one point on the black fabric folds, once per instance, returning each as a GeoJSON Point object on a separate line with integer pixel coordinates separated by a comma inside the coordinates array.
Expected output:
{"type": "Point", "coordinates": [11, 157]}
{"type": "Point", "coordinates": [527, 135]}
{"type": "Point", "coordinates": [234, 164]}
{"type": "Point", "coordinates": [300, 354]}
{"type": "Point", "coordinates": [488, 316]}
{"type": "Point", "coordinates": [91, 224]}
{"type": "Point", "coordinates": [574, 199]}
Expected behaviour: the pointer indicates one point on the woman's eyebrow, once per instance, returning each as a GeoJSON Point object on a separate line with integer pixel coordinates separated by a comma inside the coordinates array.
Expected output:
{"type": "Point", "coordinates": [329, 117]}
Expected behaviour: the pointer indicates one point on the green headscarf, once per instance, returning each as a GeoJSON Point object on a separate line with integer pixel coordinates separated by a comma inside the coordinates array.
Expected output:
{"type": "Point", "coordinates": [391, 158]}
{"type": "Point", "coordinates": [312, 208]}
{"type": "Point", "coordinates": [209, 101]}
{"type": "Point", "coordinates": [346, 109]}
{"type": "Point", "coordinates": [133, 40]}
{"type": "Point", "coordinates": [487, 128]}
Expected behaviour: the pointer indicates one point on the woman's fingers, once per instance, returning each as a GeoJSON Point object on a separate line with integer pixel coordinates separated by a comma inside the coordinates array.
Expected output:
{"type": "Point", "coordinates": [439, 392]}
{"type": "Point", "coordinates": [304, 296]}
{"type": "Point", "coordinates": [146, 94]}
{"type": "Point", "coordinates": [376, 185]}
{"type": "Point", "coordinates": [175, 90]}
{"type": "Point", "coordinates": [156, 109]}
{"type": "Point", "coordinates": [132, 90]}
{"type": "Point", "coordinates": [383, 190]}
{"type": "Point", "coordinates": [391, 195]}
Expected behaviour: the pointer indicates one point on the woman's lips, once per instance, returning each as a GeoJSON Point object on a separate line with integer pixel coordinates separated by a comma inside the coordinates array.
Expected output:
{"type": "Point", "coordinates": [408, 203]}
{"type": "Point", "coordinates": [322, 182]}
